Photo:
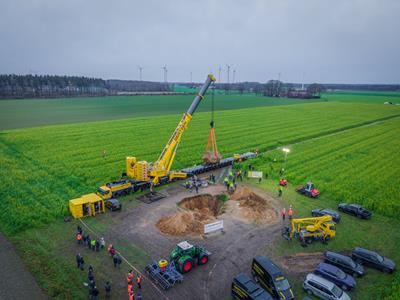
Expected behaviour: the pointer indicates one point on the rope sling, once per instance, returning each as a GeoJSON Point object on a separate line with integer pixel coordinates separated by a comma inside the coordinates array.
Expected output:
{"type": "Point", "coordinates": [211, 154]}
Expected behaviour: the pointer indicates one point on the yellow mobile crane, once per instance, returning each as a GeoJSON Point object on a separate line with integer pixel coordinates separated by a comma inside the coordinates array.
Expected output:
{"type": "Point", "coordinates": [309, 229]}
{"type": "Point", "coordinates": [160, 171]}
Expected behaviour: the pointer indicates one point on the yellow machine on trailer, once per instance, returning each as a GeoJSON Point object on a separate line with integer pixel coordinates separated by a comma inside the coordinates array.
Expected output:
{"type": "Point", "coordinates": [87, 205]}
{"type": "Point", "coordinates": [160, 170]}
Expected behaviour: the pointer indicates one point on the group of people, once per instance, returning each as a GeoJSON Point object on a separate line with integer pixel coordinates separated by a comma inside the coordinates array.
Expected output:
{"type": "Point", "coordinates": [289, 213]}
{"type": "Point", "coordinates": [86, 240]}
{"type": "Point", "coordinates": [230, 181]}
{"type": "Point", "coordinates": [93, 245]}
{"type": "Point", "coordinates": [130, 278]}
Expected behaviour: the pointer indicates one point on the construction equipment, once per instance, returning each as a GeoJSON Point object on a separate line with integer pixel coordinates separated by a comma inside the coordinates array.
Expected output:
{"type": "Point", "coordinates": [282, 182]}
{"type": "Point", "coordinates": [211, 154]}
{"type": "Point", "coordinates": [308, 190]}
{"type": "Point", "coordinates": [159, 172]}
{"type": "Point", "coordinates": [87, 205]}
{"type": "Point", "coordinates": [165, 276]}
{"type": "Point", "coordinates": [186, 256]}
{"type": "Point", "coordinates": [310, 229]}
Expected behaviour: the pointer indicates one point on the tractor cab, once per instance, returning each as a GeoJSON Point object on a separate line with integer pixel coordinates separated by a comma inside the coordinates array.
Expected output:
{"type": "Point", "coordinates": [310, 188]}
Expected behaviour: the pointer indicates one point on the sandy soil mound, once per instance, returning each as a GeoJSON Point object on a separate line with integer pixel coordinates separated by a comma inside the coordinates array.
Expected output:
{"type": "Point", "coordinates": [247, 205]}
{"type": "Point", "coordinates": [201, 209]}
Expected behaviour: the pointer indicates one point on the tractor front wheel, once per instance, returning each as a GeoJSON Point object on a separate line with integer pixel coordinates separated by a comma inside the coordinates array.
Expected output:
{"type": "Point", "coordinates": [186, 265]}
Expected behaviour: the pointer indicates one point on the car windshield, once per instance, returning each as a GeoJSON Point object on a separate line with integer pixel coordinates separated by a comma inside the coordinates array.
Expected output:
{"type": "Point", "coordinates": [282, 285]}
{"type": "Point", "coordinates": [340, 274]}
{"type": "Point", "coordinates": [380, 258]}
{"type": "Point", "coordinates": [101, 191]}
{"type": "Point", "coordinates": [352, 263]}
{"type": "Point", "coordinates": [337, 291]}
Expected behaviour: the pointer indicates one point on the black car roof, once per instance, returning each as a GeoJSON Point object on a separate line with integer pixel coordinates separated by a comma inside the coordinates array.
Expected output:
{"type": "Point", "coordinates": [337, 255]}
{"type": "Point", "coordinates": [362, 250]}
{"type": "Point", "coordinates": [247, 283]}
{"type": "Point", "coordinates": [268, 266]}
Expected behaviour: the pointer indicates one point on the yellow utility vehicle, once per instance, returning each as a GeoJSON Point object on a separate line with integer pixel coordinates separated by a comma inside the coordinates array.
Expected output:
{"type": "Point", "coordinates": [310, 229]}
{"type": "Point", "coordinates": [87, 205]}
{"type": "Point", "coordinates": [159, 172]}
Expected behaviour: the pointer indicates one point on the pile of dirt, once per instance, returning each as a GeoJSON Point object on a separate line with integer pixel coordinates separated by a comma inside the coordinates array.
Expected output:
{"type": "Point", "coordinates": [247, 205]}
{"type": "Point", "coordinates": [199, 210]}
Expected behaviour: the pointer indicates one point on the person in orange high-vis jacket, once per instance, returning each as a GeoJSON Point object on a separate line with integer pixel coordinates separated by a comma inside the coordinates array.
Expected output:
{"type": "Point", "coordinates": [139, 281]}
{"type": "Point", "coordinates": [290, 212]}
{"type": "Point", "coordinates": [130, 277]}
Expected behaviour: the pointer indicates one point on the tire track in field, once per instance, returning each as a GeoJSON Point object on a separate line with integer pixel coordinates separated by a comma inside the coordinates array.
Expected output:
{"type": "Point", "coordinates": [336, 132]}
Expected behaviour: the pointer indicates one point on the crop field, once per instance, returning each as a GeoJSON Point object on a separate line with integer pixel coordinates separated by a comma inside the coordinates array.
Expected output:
{"type": "Point", "coordinates": [42, 168]}
{"type": "Point", "coordinates": [358, 165]}
{"type": "Point", "coordinates": [39, 112]}
{"type": "Point", "coordinates": [347, 147]}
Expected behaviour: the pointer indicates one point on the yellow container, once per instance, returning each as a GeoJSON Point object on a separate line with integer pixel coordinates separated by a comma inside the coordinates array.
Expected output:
{"type": "Point", "coordinates": [87, 205]}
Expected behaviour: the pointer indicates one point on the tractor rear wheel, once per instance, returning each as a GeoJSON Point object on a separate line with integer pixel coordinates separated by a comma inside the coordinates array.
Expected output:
{"type": "Point", "coordinates": [186, 265]}
{"type": "Point", "coordinates": [203, 259]}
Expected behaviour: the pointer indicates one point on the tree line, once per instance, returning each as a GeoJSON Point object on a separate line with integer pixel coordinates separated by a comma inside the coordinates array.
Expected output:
{"type": "Point", "coordinates": [49, 86]}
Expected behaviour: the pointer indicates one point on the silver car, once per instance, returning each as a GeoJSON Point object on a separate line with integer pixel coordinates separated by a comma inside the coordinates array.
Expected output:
{"type": "Point", "coordinates": [323, 289]}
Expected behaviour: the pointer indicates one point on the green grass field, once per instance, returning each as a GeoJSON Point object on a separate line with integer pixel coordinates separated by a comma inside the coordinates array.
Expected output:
{"type": "Point", "coordinates": [39, 112]}
{"type": "Point", "coordinates": [348, 146]}
{"type": "Point", "coordinates": [42, 168]}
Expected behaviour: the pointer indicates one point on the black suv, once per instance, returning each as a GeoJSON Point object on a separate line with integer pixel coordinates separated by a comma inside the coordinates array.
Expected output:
{"type": "Point", "coordinates": [113, 204]}
{"type": "Point", "coordinates": [373, 259]}
{"type": "Point", "coordinates": [245, 288]}
{"type": "Point", "coordinates": [326, 211]}
{"type": "Point", "coordinates": [345, 263]}
{"type": "Point", "coordinates": [356, 210]}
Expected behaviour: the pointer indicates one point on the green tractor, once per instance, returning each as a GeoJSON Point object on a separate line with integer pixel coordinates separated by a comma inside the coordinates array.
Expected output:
{"type": "Point", "coordinates": [186, 256]}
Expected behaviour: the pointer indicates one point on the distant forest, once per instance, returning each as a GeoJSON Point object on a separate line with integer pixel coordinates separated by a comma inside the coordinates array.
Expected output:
{"type": "Point", "coordinates": [52, 86]}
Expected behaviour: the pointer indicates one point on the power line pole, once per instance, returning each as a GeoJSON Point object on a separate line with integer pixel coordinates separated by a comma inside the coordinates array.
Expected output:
{"type": "Point", "coordinates": [234, 74]}
{"type": "Point", "coordinates": [219, 74]}
{"type": "Point", "coordinates": [191, 77]}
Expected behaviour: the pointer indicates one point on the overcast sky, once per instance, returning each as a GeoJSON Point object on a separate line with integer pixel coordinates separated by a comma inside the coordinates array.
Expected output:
{"type": "Point", "coordinates": [340, 41]}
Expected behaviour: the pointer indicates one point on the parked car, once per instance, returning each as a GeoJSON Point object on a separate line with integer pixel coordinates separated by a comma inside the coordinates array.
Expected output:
{"type": "Point", "coordinates": [244, 288]}
{"type": "Point", "coordinates": [335, 275]}
{"type": "Point", "coordinates": [271, 278]}
{"type": "Point", "coordinates": [373, 259]}
{"type": "Point", "coordinates": [319, 212]}
{"type": "Point", "coordinates": [323, 289]}
{"type": "Point", "coordinates": [113, 204]}
{"type": "Point", "coordinates": [344, 263]}
{"type": "Point", "coordinates": [355, 210]}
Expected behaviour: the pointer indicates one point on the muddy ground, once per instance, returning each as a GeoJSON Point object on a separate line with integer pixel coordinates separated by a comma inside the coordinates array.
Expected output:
{"type": "Point", "coordinates": [232, 251]}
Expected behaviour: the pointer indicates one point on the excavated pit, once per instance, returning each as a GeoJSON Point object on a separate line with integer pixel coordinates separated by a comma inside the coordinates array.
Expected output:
{"type": "Point", "coordinates": [199, 210]}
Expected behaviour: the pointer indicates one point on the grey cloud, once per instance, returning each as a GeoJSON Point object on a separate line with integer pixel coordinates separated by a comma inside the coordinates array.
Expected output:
{"type": "Point", "coordinates": [349, 41]}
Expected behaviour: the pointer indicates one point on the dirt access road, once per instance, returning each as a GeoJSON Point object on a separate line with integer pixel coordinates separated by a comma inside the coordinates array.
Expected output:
{"type": "Point", "coordinates": [16, 282]}
{"type": "Point", "coordinates": [232, 252]}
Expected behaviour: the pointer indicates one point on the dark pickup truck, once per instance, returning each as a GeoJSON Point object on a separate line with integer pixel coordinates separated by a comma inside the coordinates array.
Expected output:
{"type": "Point", "coordinates": [355, 210]}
